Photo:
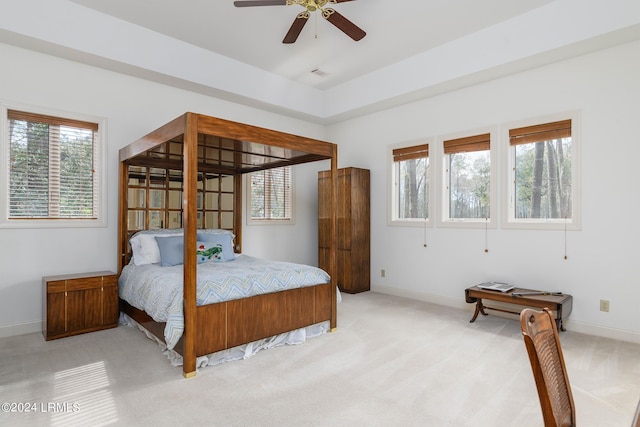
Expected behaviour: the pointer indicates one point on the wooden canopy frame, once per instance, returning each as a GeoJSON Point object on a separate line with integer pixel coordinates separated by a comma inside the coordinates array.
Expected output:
{"type": "Point", "coordinates": [238, 149]}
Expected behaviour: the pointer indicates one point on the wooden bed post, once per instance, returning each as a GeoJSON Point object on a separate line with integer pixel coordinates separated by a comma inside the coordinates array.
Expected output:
{"type": "Point", "coordinates": [190, 224]}
{"type": "Point", "coordinates": [238, 200]}
{"type": "Point", "coordinates": [123, 229]}
{"type": "Point", "coordinates": [333, 257]}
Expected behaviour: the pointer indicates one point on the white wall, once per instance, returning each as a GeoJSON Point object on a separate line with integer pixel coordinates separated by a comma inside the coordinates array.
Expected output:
{"type": "Point", "coordinates": [602, 257]}
{"type": "Point", "coordinates": [294, 243]}
{"type": "Point", "coordinates": [132, 107]}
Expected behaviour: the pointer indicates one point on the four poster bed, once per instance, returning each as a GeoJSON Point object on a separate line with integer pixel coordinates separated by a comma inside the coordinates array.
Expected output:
{"type": "Point", "coordinates": [185, 178]}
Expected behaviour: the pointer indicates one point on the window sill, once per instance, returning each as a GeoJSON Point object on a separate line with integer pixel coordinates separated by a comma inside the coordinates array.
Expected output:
{"type": "Point", "coordinates": [52, 223]}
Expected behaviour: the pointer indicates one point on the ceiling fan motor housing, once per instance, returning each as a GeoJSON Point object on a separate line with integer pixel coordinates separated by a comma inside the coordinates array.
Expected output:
{"type": "Point", "coordinates": [310, 5]}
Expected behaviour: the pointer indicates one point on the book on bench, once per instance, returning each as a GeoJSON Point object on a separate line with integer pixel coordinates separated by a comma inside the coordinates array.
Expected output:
{"type": "Point", "coordinates": [496, 286]}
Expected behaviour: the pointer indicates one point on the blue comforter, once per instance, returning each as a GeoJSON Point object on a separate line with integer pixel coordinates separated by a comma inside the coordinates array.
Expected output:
{"type": "Point", "coordinates": [158, 290]}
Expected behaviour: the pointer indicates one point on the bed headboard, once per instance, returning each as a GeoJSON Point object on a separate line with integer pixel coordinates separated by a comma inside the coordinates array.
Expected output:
{"type": "Point", "coordinates": [154, 201]}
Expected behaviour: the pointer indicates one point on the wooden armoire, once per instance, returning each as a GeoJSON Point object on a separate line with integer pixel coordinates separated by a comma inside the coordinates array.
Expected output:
{"type": "Point", "coordinates": [353, 217]}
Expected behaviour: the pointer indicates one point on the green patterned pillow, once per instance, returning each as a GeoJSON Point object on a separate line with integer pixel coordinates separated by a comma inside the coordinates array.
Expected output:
{"type": "Point", "coordinates": [209, 251]}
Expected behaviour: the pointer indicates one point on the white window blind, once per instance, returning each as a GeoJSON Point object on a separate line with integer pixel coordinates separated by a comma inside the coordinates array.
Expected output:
{"type": "Point", "coordinates": [271, 194]}
{"type": "Point", "coordinates": [52, 167]}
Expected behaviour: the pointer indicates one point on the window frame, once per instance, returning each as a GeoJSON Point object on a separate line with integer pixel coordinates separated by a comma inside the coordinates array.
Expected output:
{"type": "Point", "coordinates": [100, 219]}
{"type": "Point", "coordinates": [392, 205]}
{"type": "Point", "coordinates": [272, 221]}
{"type": "Point", "coordinates": [443, 218]}
{"type": "Point", "coordinates": [508, 220]}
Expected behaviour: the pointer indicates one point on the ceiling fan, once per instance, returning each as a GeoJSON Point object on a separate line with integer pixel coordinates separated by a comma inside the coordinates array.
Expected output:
{"type": "Point", "coordinates": [342, 23]}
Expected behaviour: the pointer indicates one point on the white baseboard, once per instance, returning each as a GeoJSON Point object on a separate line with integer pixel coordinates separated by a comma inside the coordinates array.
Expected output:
{"type": "Point", "coordinates": [574, 326]}
{"type": "Point", "coordinates": [422, 296]}
{"type": "Point", "coordinates": [20, 329]}
{"type": "Point", "coordinates": [603, 331]}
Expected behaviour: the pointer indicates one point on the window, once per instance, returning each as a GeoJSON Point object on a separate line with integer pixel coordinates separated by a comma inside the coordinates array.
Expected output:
{"type": "Point", "coordinates": [270, 195]}
{"type": "Point", "coordinates": [410, 180]}
{"type": "Point", "coordinates": [53, 170]}
{"type": "Point", "coordinates": [542, 184]}
{"type": "Point", "coordinates": [467, 179]}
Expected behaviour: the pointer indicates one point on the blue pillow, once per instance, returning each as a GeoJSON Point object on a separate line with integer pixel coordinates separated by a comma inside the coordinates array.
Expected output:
{"type": "Point", "coordinates": [224, 240]}
{"type": "Point", "coordinates": [171, 250]}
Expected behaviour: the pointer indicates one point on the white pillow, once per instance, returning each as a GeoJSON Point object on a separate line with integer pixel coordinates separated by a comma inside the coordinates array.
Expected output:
{"type": "Point", "coordinates": [145, 248]}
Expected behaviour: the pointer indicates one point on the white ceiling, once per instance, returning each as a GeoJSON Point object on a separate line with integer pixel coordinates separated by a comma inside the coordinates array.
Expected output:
{"type": "Point", "coordinates": [413, 48]}
{"type": "Point", "coordinates": [395, 30]}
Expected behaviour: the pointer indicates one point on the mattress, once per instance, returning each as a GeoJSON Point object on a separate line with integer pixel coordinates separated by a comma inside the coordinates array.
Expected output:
{"type": "Point", "coordinates": [158, 290]}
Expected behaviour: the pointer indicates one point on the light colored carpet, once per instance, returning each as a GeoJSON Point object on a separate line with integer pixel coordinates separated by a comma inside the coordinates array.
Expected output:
{"type": "Point", "coordinates": [392, 362]}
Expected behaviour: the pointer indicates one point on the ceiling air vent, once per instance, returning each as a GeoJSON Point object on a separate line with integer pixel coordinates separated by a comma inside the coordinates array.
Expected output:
{"type": "Point", "coordinates": [318, 72]}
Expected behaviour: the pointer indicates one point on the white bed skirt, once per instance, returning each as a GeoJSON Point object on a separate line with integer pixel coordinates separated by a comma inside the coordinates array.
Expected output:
{"type": "Point", "coordinates": [244, 351]}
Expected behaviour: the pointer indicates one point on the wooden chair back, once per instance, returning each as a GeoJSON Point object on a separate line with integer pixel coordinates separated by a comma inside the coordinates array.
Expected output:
{"type": "Point", "coordinates": [547, 362]}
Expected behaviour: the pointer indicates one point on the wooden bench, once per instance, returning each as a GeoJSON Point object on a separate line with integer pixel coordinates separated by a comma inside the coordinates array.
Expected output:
{"type": "Point", "coordinates": [561, 304]}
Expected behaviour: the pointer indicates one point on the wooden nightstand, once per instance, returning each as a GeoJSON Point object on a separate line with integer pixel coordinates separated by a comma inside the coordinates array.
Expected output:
{"type": "Point", "coordinates": [77, 303]}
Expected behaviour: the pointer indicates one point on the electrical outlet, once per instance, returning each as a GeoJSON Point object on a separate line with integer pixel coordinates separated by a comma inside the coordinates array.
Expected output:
{"type": "Point", "coordinates": [383, 273]}
{"type": "Point", "coordinates": [604, 305]}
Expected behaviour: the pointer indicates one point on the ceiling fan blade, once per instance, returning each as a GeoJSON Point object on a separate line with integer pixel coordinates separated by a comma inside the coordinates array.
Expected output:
{"type": "Point", "coordinates": [250, 3]}
{"type": "Point", "coordinates": [296, 28]}
{"type": "Point", "coordinates": [341, 1]}
{"type": "Point", "coordinates": [347, 27]}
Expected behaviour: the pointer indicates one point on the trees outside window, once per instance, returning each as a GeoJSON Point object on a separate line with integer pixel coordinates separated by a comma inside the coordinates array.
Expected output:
{"type": "Point", "coordinates": [469, 176]}
{"type": "Point", "coordinates": [543, 179]}
{"type": "Point", "coordinates": [410, 170]}
{"type": "Point", "coordinates": [53, 167]}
